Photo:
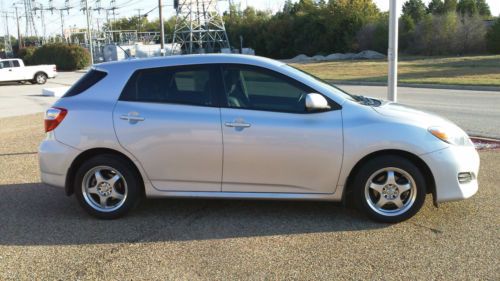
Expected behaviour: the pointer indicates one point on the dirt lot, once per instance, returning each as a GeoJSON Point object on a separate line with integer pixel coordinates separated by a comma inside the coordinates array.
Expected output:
{"type": "Point", "coordinates": [45, 235]}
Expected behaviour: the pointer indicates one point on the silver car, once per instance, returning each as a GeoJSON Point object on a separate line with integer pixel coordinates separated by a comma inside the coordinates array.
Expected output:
{"type": "Point", "coordinates": [231, 126]}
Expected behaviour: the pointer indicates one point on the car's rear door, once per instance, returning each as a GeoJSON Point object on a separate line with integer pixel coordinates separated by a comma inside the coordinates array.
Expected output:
{"type": "Point", "coordinates": [169, 120]}
{"type": "Point", "coordinates": [271, 144]}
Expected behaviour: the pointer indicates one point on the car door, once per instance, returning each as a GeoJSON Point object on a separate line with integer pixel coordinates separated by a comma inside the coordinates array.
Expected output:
{"type": "Point", "coordinates": [6, 71]}
{"type": "Point", "coordinates": [169, 120]}
{"type": "Point", "coordinates": [271, 143]}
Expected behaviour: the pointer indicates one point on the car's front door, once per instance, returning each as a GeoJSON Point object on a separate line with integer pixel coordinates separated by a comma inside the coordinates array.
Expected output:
{"type": "Point", "coordinates": [168, 119]}
{"type": "Point", "coordinates": [271, 143]}
{"type": "Point", "coordinates": [7, 72]}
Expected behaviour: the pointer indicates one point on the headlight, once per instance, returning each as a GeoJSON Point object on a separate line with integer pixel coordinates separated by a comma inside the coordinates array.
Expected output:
{"type": "Point", "coordinates": [451, 136]}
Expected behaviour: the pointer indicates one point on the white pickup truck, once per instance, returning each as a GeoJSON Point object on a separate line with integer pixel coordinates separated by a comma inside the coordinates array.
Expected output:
{"type": "Point", "coordinates": [15, 70]}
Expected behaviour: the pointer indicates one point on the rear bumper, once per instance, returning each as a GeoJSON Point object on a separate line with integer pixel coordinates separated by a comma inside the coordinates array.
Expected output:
{"type": "Point", "coordinates": [446, 164]}
{"type": "Point", "coordinates": [55, 159]}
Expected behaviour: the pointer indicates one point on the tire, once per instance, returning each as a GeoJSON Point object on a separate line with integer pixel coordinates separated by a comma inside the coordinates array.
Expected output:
{"type": "Point", "coordinates": [107, 186]}
{"type": "Point", "coordinates": [389, 189]}
{"type": "Point", "coordinates": [40, 78]}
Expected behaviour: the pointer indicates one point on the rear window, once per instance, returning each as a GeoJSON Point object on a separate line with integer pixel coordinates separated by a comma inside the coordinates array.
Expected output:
{"type": "Point", "coordinates": [87, 81]}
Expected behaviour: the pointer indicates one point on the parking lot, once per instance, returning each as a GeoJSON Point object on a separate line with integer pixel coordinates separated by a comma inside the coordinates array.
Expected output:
{"type": "Point", "coordinates": [45, 235]}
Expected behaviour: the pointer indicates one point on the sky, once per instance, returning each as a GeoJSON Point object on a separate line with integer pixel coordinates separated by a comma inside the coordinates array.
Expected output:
{"type": "Point", "coordinates": [129, 8]}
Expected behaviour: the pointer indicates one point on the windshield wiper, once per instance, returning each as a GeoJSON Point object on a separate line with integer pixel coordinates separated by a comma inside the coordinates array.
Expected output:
{"type": "Point", "coordinates": [365, 100]}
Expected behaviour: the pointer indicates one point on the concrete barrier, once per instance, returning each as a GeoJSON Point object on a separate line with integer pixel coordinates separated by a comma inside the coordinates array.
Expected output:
{"type": "Point", "coordinates": [55, 92]}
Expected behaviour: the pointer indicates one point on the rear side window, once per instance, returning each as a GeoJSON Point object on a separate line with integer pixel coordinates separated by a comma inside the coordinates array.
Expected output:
{"type": "Point", "coordinates": [87, 81]}
{"type": "Point", "coordinates": [15, 63]}
{"type": "Point", "coordinates": [189, 85]}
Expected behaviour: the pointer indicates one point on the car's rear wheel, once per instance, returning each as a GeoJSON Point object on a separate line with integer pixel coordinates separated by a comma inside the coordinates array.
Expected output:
{"type": "Point", "coordinates": [40, 78]}
{"type": "Point", "coordinates": [389, 189]}
{"type": "Point", "coordinates": [107, 187]}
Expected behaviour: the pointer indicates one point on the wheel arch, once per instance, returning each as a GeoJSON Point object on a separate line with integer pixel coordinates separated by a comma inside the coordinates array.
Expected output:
{"type": "Point", "coordinates": [417, 161]}
{"type": "Point", "coordinates": [85, 155]}
{"type": "Point", "coordinates": [40, 72]}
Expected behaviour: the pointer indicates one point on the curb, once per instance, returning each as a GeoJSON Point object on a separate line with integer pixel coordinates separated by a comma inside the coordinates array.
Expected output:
{"type": "Point", "coordinates": [424, 86]}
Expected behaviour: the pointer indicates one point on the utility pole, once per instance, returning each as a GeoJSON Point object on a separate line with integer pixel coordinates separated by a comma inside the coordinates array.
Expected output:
{"type": "Point", "coordinates": [19, 38]}
{"type": "Point", "coordinates": [139, 20]}
{"type": "Point", "coordinates": [392, 53]}
{"type": "Point", "coordinates": [162, 29]}
{"type": "Point", "coordinates": [89, 32]}
{"type": "Point", "coordinates": [62, 25]}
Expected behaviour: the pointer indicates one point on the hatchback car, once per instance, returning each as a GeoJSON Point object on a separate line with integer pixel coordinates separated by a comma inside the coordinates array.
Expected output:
{"type": "Point", "coordinates": [232, 126]}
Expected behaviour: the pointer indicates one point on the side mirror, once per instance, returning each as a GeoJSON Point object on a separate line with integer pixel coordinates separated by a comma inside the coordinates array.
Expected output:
{"type": "Point", "coordinates": [316, 102]}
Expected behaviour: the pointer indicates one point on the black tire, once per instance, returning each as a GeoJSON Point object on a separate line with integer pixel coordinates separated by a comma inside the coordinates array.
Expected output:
{"type": "Point", "coordinates": [129, 182]}
{"type": "Point", "coordinates": [40, 78]}
{"type": "Point", "coordinates": [376, 173]}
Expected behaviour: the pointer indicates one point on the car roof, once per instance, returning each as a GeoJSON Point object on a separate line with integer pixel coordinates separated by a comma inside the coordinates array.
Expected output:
{"type": "Point", "coordinates": [133, 64]}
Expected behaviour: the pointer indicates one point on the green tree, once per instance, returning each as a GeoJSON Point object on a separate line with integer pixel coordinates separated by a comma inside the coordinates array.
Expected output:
{"type": "Point", "coordinates": [493, 38]}
{"type": "Point", "coordinates": [436, 7]}
{"type": "Point", "coordinates": [467, 7]}
{"type": "Point", "coordinates": [450, 6]}
{"type": "Point", "coordinates": [483, 8]}
{"type": "Point", "coordinates": [415, 9]}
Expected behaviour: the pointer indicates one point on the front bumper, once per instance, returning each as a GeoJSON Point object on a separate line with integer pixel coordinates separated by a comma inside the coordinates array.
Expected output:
{"type": "Point", "coordinates": [446, 165]}
{"type": "Point", "coordinates": [55, 159]}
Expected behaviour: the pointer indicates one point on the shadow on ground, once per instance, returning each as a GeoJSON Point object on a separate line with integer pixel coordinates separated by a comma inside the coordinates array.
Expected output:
{"type": "Point", "coordinates": [37, 214]}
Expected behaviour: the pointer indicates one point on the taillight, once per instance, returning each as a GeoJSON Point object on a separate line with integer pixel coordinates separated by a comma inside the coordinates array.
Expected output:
{"type": "Point", "coordinates": [53, 117]}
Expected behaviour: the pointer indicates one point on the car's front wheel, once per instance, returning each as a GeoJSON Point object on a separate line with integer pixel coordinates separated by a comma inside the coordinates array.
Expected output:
{"type": "Point", "coordinates": [389, 189]}
{"type": "Point", "coordinates": [107, 187]}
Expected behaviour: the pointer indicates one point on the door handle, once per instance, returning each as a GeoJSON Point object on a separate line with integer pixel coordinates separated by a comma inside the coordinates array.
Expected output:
{"type": "Point", "coordinates": [237, 125]}
{"type": "Point", "coordinates": [132, 118]}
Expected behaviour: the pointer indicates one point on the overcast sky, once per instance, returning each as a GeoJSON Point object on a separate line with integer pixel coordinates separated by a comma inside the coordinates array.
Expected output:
{"type": "Point", "coordinates": [129, 7]}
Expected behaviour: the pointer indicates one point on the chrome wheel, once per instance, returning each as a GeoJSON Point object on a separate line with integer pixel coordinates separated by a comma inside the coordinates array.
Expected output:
{"type": "Point", "coordinates": [41, 78]}
{"type": "Point", "coordinates": [390, 191]}
{"type": "Point", "coordinates": [104, 189]}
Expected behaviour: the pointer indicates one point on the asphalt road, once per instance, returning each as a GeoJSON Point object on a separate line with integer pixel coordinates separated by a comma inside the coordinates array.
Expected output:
{"type": "Point", "coordinates": [44, 235]}
{"type": "Point", "coordinates": [21, 99]}
{"type": "Point", "coordinates": [477, 112]}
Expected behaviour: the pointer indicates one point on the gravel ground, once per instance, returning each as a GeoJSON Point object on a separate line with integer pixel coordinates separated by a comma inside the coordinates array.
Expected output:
{"type": "Point", "coordinates": [46, 236]}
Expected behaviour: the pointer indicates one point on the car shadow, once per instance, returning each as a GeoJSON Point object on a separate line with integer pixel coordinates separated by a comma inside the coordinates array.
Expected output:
{"type": "Point", "coordinates": [38, 214]}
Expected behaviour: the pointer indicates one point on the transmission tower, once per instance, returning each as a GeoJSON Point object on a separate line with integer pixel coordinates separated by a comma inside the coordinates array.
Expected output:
{"type": "Point", "coordinates": [6, 39]}
{"type": "Point", "coordinates": [30, 21]}
{"type": "Point", "coordinates": [199, 28]}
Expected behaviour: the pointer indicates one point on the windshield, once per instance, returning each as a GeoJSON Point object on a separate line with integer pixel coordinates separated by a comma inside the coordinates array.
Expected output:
{"type": "Point", "coordinates": [322, 82]}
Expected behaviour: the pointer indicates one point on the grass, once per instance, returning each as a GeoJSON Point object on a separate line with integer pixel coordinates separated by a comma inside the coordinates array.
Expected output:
{"type": "Point", "coordinates": [470, 71]}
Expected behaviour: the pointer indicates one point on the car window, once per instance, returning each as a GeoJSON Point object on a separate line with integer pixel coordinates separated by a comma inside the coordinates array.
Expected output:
{"type": "Point", "coordinates": [189, 86]}
{"type": "Point", "coordinates": [88, 80]}
{"type": "Point", "coordinates": [15, 63]}
{"type": "Point", "coordinates": [261, 89]}
{"type": "Point", "coordinates": [5, 64]}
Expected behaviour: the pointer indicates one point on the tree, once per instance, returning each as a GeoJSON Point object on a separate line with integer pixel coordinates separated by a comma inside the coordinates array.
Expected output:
{"type": "Point", "coordinates": [493, 38]}
{"type": "Point", "coordinates": [483, 8]}
{"type": "Point", "coordinates": [450, 6]}
{"type": "Point", "coordinates": [467, 7]}
{"type": "Point", "coordinates": [470, 35]}
{"type": "Point", "coordinates": [415, 9]}
{"type": "Point", "coordinates": [436, 7]}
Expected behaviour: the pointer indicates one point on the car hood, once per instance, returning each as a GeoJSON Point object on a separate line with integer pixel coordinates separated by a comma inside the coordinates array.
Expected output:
{"type": "Point", "coordinates": [404, 112]}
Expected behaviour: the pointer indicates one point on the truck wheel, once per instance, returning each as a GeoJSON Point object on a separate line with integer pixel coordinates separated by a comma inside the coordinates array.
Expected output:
{"type": "Point", "coordinates": [40, 78]}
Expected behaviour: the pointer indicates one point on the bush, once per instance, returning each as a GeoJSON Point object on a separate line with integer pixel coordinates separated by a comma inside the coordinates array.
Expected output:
{"type": "Point", "coordinates": [65, 57]}
{"type": "Point", "coordinates": [493, 38]}
{"type": "Point", "coordinates": [26, 54]}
